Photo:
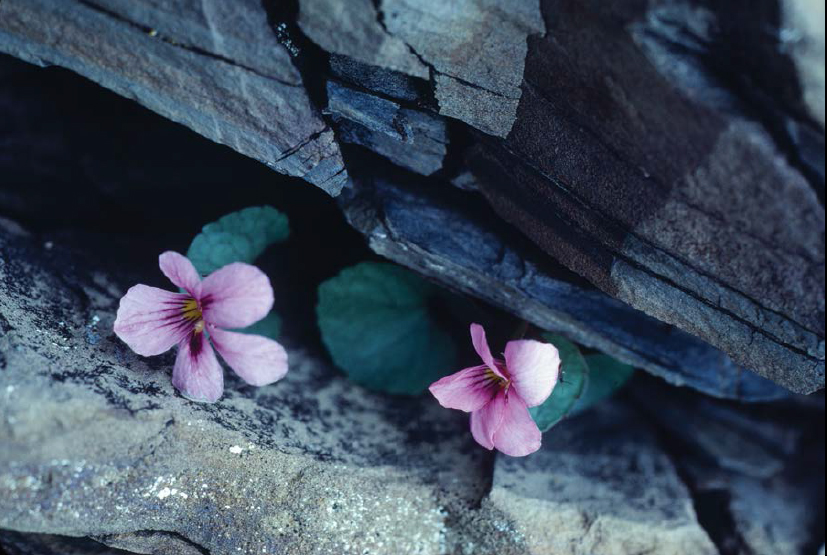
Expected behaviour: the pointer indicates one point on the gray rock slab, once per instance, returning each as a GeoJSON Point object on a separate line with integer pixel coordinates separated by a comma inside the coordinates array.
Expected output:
{"type": "Point", "coordinates": [773, 515]}
{"type": "Point", "coordinates": [413, 139]}
{"type": "Point", "coordinates": [236, 31]}
{"type": "Point", "coordinates": [387, 82]}
{"type": "Point", "coordinates": [674, 192]}
{"type": "Point", "coordinates": [473, 51]}
{"type": "Point", "coordinates": [758, 471]}
{"type": "Point", "coordinates": [802, 33]}
{"type": "Point", "coordinates": [451, 236]}
{"type": "Point", "coordinates": [466, 181]}
{"type": "Point", "coordinates": [634, 160]}
{"type": "Point", "coordinates": [151, 542]}
{"type": "Point", "coordinates": [353, 29]}
{"type": "Point", "coordinates": [599, 485]}
{"type": "Point", "coordinates": [218, 71]}
{"type": "Point", "coordinates": [477, 49]}
{"type": "Point", "coordinates": [738, 439]}
{"type": "Point", "coordinates": [96, 442]}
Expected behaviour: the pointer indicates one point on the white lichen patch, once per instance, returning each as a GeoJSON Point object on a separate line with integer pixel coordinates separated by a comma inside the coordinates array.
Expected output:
{"type": "Point", "coordinates": [351, 517]}
{"type": "Point", "coordinates": [163, 488]}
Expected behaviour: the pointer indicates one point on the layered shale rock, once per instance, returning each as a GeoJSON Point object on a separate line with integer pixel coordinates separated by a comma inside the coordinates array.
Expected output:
{"type": "Point", "coordinates": [453, 237]}
{"type": "Point", "coordinates": [644, 147]}
{"type": "Point", "coordinates": [640, 160]}
{"type": "Point", "coordinates": [413, 139]}
{"type": "Point", "coordinates": [217, 68]}
{"type": "Point", "coordinates": [646, 178]}
{"type": "Point", "coordinates": [472, 50]}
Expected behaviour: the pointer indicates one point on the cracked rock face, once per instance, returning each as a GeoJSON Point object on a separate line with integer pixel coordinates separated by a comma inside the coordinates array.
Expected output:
{"type": "Point", "coordinates": [450, 236]}
{"type": "Point", "coordinates": [473, 50]}
{"type": "Point", "coordinates": [677, 194]}
{"type": "Point", "coordinates": [97, 444]}
{"type": "Point", "coordinates": [670, 153]}
{"type": "Point", "coordinates": [478, 70]}
{"type": "Point", "coordinates": [204, 76]}
{"type": "Point", "coordinates": [759, 475]}
{"type": "Point", "coordinates": [353, 29]}
{"type": "Point", "coordinates": [599, 486]}
{"type": "Point", "coordinates": [14, 542]}
{"type": "Point", "coordinates": [311, 464]}
{"type": "Point", "coordinates": [413, 139]}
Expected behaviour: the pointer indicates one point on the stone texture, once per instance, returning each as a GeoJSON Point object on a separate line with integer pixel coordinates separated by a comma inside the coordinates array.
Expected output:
{"type": "Point", "coordinates": [12, 542]}
{"type": "Point", "coordinates": [476, 49]}
{"type": "Point", "coordinates": [802, 34]}
{"type": "Point", "coordinates": [191, 64]}
{"type": "Point", "coordinates": [387, 82]}
{"type": "Point", "coordinates": [97, 443]}
{"type": "Point", "coordinates": [152, 542]}
{"type": "Point", "coordinates": [639, 158]}
{"type": "Point", "coordinates": [413, 139]}
{"type": "Point", "coordinates": [670, 152]}
{"type": "Point", "coordinates": [353, 29]}
{"type": "Point", "coordinates": [472, 50]}
{"type": "Point", "coordinates": [758, 470]}
{"type": "Point", "coordinates": [116, 163]}
{"type": "Point", "coordinates": [466, 181]}
{"type": "Point", "coordinates": [599, 486]}
{"type": "Point", "coordinates": [666, 183]}
{"type": "Point", "coordinates": [449, 235]}
{"type": "Point", "coordinates": [734, 439]}
{"type": "Point", "coordinates": [773, 516]}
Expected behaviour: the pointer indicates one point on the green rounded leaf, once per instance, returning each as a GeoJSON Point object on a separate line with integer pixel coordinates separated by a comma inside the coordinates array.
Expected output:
{"type": "Point", "coordinates": [574, 380]}
{"type": "Point", "coordinates": [237, 237]}
{"type": "Point", "coordinates": [606, 376]}
{"type": "Point", "coordinates": [375, 322]}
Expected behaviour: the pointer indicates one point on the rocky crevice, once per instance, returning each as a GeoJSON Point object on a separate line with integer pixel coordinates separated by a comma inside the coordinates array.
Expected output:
{"type": "Point", "coordinates": [535, 221]}
{"type": "Point", "coordinates": [624, 253]}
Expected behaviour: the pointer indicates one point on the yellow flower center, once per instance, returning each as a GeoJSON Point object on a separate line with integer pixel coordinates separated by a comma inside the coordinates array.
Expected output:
{"type": "Point", "coordinates": [494, 377]}
{"type": "Point", "coordinates": [192, 312]}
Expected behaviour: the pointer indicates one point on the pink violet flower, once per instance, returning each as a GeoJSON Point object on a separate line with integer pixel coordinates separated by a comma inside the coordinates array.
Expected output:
{"type": "Point", "coordinates": [151, 321]}
{"type": "Point", "coordinates": [498, 393]}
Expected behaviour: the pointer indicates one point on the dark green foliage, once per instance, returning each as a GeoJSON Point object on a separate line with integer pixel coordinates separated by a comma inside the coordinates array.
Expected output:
{"type": "Point", "coordinates": [237, 237]}
{"type": "Point", "coordinates": [376, 323]}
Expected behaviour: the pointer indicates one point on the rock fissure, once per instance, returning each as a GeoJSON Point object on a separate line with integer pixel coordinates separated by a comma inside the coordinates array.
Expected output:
{"type": "Point", "coordinates": [520, 284]}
